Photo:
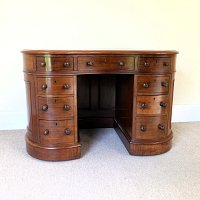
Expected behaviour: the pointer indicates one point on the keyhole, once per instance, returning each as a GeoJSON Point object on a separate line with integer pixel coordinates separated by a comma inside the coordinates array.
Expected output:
{"type": "Point", "coordinates": [55, 81]}
{"type": "Point", "coordinates": [56, 123]}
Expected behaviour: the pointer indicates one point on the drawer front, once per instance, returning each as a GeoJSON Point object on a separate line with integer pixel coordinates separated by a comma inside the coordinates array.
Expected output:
{"type": "Point", "coordinates": [153, 128]}
{"type": "Point", "coordinates": [56, 132]}
{"type": "Point", "coordinates": [51, 108]}
{"type": "Point", "coordinates": [154, 65]}
{"type": "Point", "coordinates": [55, 86]}
{"type": "Point", "coordinates": [55, 63]}
{"type": "Point", "coordinates": [153, 84]}
{"type": "Point", "coordinates": [152, 105]}
{"type": "Point", "coordinates": [105, 63]}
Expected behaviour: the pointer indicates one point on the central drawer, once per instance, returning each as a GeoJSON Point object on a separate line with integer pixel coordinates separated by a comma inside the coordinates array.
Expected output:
{"type": "Point", "coordinates": [52, 108]}
{"type": "Point", "coordinates": [55, 132]}
{"type": "Point", "coordinates": [105, 63]}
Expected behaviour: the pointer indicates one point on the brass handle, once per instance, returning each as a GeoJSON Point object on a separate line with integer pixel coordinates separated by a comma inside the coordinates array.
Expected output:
{"type": "Point", "coordinates": [163, 104]}
{"type": "Point", "coordinates": [42, 64]}
{"type": "Point", "coordinates": [46, 132]}
{"type": "Point", "coordinates": [66, 107]}
{"type": "Point", "coordinates": [45, 107]}
{"type": "Point", "coordinates": [121, 63]}
{"type": "Point", "coordinates": [89, 63]}
{"type": "Point", "coordinates": [66, 86]}
{"type": "Point", "coordinates": [144, 105]}
{"type": "Point", "coordinates": [164, 84]}
{"type": "Point", "coordinates": [145, 85]}
{"type": "Point", "coordinates": [67, 131]}
{"type": "Point", "coordinates": [146, 64]}
{"type": "Point", "coordinates": [66, 64]}
{"type": "Point", "coordinates": [143, 128]}
{"type": "Point", "coordinates": [44, 86]}
{"type": "Point", "coordinates": [161, 126]}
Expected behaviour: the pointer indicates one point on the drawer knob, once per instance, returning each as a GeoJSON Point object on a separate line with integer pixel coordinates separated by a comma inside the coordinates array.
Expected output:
{"type": "Point", "coordinates": [89, 63]}
{"type": "Point", "coordinates": [164, 84]}
{"type": "Point", "coordinates": [146, 64]}
{"type": "Point", "coordinates": [44, 86]}
{"type": "Point", "coordinates": [66, 86]}
{"type": "Point", "coordinates": [45, 107]}
{"type": "Point", "coordinates": [145, 85]}
{"type": "Point", "coordinates": [143, 128]}
{"type": "Point", "coordinates": [121, 63]}
{"type": "Point", "coordinates": [66, 64]}
{"type": "Point", "coordinates": [143, 105]}
{"type": "Point", "coordinates": [42, 64]}
{"type": "Point", "coordinates": [67, 131]}
{"type": "Point", "coordinates": [166, 64]}
{"type": "Point", "coordinates": [66, 107]}
{"type": "Point", "coordinates": [161, 126]}
{"type": "Point", "coordinates": [163, 104]}
{"type": "Point", "coordinates": [46, 132]}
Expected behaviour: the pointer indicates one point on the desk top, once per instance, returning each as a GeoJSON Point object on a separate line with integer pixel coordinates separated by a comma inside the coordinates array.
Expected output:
{"type": "Point", "coordinates": [100, 52]}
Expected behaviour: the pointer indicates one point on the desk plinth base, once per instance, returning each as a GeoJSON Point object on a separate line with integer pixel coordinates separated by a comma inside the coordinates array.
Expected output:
{"type": "Point", "coordinates": [144, 149]}
{"type": "Point", "coordinates": [60, 153]}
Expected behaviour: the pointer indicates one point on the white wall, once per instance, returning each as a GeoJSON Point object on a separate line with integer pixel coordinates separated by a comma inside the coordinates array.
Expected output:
{"type": "Point", "coordinates": [100, 24]}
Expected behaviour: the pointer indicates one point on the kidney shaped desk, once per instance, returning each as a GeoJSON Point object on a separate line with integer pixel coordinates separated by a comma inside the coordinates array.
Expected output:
{"type": "Point", "coordinates": [131, 91]}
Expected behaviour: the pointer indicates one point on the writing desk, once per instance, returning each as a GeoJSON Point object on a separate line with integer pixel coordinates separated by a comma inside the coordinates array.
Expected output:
{"type": "Point", "coordinates": [131, 91]}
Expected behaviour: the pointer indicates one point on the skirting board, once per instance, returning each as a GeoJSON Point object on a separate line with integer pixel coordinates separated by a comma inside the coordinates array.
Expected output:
{"type": "Point", "coordinates": [180, 113]}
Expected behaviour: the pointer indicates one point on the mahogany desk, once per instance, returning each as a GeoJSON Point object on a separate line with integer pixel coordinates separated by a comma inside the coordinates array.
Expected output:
{"type": "Point", "coordinates": [131, 91]}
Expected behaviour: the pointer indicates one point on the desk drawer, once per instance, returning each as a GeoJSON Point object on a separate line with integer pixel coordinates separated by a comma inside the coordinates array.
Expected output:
{"type": "Point", "coordinates": [54, 63]}
{"type": "Point", "coordinates": [55, 85]}
{"type": "Point", "coordinates": [154, 65]}
{"type": "Point", "coordinates": [152, 84]}
{"type": "Point", "coordinates": [152, 105]}
{"type": "Point", "coordinates": [52, 108]}
{"type": "Point", "coordinates": [56, 132]}
{"type": "Point", "coordinates": [105, 63]}
{"type": "Point", "coordinates": [153, 128]}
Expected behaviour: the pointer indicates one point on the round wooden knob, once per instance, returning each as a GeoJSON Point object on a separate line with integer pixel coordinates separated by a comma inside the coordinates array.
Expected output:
{"type": "Point", "coordinates": [163, 104]}
{"type": "Point", "coordinates": [42, 64]}
{"type": "Point", "coordinates": [143, 128]}
{"type": "Point", "coordinates": [121, 63]}
{"type": "Point", "coordinates": [89, 63]}
{"type": "Point", "coordinates": [46, 132]}
{"type": "Point", "coordinates": [146, 64]}
{"type": "Point", "coordinates": [143, 105]}
{"type": "Point", "coordinates": [145, 85]}
{"type": "Point", "coordinates": [66, 64]}
{"type": "Point", "coordinates": [67, 131]}
{"type": "Point", "coordinates": [166, 64]}
{"type": "Point", "coordinates": [44, 86]}
{"type": "Point", "coordinates": [66, 86]}
{"type": "Point", "coordinates": [66, 107]}
{"type": "Point", "coordinates": [164, 84]}
{"type": "Point", "coordinates": [161, 126]}
{"type": "Point", "coordinates": [45, 107]}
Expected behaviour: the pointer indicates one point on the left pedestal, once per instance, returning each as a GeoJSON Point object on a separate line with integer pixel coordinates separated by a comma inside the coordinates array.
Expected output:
{"type": "Point", "coordinates": [51, 107]}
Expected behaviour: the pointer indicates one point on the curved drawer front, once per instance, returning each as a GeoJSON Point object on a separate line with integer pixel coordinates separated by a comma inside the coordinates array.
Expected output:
{"type": "Point", "coordinates": [105, 63]}
{"type": "Point", "coordinates": [153, 84]}
{"type": "Point", "coordinates": [55, 85]}
{"type": "Point", "coordinates": [54, 63]}
{"type": "Point", "coordinates": [56, 132]}
{"type": "Point", "coordinates": [153, 128]}
{"type": "Point", "coordinates": [52, 108]}
{"type": "Point", "coordinates": [154, 65]}
{"type": "Point", "coordinates": [152, 105]}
